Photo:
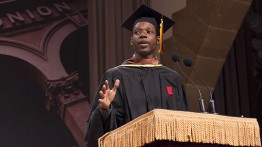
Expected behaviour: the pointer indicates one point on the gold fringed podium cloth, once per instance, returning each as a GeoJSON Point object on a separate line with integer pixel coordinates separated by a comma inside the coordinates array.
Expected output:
{"type": "Point", "coordinates": [181, 126]}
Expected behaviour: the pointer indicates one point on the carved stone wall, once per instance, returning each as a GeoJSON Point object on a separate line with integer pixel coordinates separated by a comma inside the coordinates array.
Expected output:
{"type": "Point", "coordinates": [204, 31]}
{"type": "Point", "coordinates": [34, 31]}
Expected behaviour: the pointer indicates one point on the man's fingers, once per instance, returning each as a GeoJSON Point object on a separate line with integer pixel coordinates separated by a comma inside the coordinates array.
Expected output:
{"type": "Point", "coordinates": [104, 88]}
{"type": "Point", "coordinates": [101, 102]}
{"type": "Point", "coordinates": [117, 82]}
{"type": "Point", "coordinates": [106, 84]}
{"type": "Point", "coordinates": [102, 95]}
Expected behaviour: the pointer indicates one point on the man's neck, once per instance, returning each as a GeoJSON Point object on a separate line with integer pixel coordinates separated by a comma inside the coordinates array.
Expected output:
{"type": "Point", "coordinates": [142, 61]}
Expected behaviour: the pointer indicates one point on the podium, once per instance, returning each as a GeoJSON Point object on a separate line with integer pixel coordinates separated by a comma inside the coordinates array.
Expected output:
{"type": "Point", "coordinates": [184, 127]}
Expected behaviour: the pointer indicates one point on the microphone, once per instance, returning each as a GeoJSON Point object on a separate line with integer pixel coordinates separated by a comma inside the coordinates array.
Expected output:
{"type": "Point", "coordinates": [188, 62]}
{"type": "Point", "coordinates": [176, 58]}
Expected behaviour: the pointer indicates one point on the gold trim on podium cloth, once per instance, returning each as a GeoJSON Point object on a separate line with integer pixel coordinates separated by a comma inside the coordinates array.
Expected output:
{"type": "Point", "coordinates": [182, 126]}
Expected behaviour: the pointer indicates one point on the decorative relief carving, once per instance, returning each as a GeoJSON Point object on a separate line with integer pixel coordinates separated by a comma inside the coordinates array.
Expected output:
{"type": "Point", "coordinates": [63, 93]}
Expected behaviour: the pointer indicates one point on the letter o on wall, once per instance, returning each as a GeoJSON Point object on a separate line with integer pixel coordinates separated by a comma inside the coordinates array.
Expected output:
{"type": "Point", "coordinates": [44, 11]}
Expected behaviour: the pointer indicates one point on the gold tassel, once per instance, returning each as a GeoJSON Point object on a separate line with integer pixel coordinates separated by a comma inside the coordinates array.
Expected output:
{"type": "Point", "coordinates": [161, 49]}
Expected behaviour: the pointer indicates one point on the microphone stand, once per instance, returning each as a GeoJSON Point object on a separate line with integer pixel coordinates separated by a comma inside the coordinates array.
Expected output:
{"type": "Point", "coordinates": [200, 100]}
{"type": "Point", "coordinates": [211, 106]}
{"type": "Point", "coordinates": [211, 100]}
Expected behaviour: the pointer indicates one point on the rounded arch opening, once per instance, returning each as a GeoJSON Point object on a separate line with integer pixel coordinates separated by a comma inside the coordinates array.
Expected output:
{"type": "Point", "coordinates": [24, 119]}
{"type": "Point", "coordinates": [74, 55]}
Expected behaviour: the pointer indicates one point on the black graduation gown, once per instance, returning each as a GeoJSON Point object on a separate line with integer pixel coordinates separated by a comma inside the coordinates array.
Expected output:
{"type": "Point", "coordinates": [141, 89]}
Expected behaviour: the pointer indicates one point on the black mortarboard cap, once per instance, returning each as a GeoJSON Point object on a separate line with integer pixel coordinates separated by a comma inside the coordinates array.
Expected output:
{"type": "Point", "coordinates": [146, 12]}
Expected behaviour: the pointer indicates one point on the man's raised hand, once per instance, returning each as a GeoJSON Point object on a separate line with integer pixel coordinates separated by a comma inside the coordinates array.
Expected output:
{"type": "Point", "coordinates": [107, 95]}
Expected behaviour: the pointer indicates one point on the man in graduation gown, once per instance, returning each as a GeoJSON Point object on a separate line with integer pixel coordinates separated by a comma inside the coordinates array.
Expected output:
{"type": "Point", "coordinates": [140, 84]}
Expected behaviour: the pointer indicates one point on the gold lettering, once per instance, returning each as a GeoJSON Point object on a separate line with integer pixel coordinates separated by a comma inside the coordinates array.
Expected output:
{"type": "Point", "coordinates": [34, 14]}
{"type": "Point", "coordinates": [30, 14]}
{"type": "Point", "coordinates": [16, 16]}
{"type": "Point", "coordinates": [44, 11]}
{"type": "Point", "coordinates": [61, 6]}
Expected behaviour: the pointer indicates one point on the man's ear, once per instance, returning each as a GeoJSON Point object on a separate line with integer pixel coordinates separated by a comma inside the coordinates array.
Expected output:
{"type": "Point", "coordinates": [131, 41]}
{"type": "Point", "coordinates": [158, 40]}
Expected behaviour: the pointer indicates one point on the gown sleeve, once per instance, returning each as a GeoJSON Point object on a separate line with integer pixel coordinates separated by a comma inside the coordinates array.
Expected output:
{"type": "Point", "coordinates": [96, 126]}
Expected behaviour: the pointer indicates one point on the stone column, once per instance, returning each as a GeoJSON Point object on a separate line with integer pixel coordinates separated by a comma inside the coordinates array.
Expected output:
{"type": "Point", "coordinates": [65, 96]}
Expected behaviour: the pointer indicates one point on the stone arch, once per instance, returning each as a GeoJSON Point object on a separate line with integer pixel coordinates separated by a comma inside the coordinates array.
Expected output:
{"type": "Point", "coordinates": [46, 57]}
{"type": "Point", "coordinates": [42, 53]}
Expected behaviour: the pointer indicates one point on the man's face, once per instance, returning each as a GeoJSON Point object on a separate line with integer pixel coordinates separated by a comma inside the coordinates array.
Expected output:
{"type": "Point", "coordinates": [144, 39]}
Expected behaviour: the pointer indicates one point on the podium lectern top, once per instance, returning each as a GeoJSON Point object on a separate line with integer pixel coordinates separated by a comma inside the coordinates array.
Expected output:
{"type": "Point", "coordinates": [181, 126]}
